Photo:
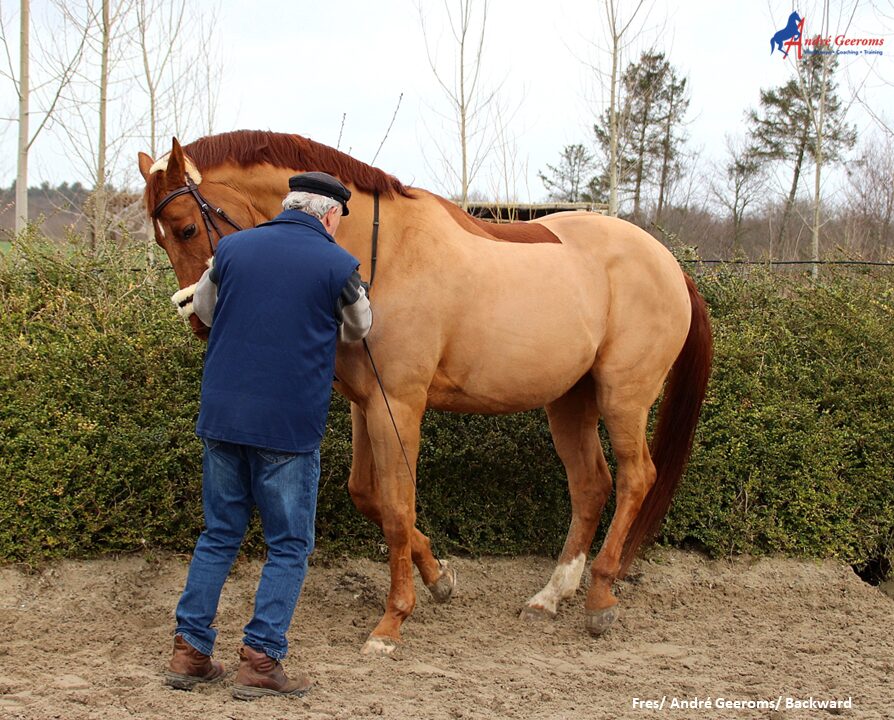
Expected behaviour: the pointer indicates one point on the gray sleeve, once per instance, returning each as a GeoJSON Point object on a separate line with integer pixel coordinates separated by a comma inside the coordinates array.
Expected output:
{"type": "Point", "coordinates": [355, 313]}
{"type": "Point", "coordinates": [205, 297]}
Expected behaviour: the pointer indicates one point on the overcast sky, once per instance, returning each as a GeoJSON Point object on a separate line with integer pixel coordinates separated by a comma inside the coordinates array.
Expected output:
{"type": "Point", "coordinates": [301, 66]}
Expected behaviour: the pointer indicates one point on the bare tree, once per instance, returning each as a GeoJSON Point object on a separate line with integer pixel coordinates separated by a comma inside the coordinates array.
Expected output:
{"type": "Point", "coordinates": [99, 122]}
{"type": "Point", "coordinates": [570, 178]}
{"type": "Point", "coordinates": [209, 61]}
{"type": "Point", "coordinates": [870, 197]}
{"type": "Point", "coordinates": [823, 109]}
{"type": "Point", "coordinates": [159, 25]}
{"type": "Point", "coordinates": [99, 190]}
{"type": "Point", "coordinates": [803, 119]}
{"type": "Point", "coordinates": [674, 103]}
{"type": "Point", "coordinates": [24, 90]}
{"type": "Point", "coordinates": [878, 73]}
{"type": "Point", "coordinates": [739, 185]}
{"type": "Point", "coordinates": [616, 29]}
{"type": "Point", "coordinates": [49, 91]}
{"type": "Point", "coordinates": [508, 170]}
{"type": "Point", "coordinates": [469, 103]}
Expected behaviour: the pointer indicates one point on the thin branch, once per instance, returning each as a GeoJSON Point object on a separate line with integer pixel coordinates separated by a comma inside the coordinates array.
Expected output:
{"type": "Point", "coordinates": [65, 79]}
{"type": "Point", "coordinates": [12, 73]}
{"type": "Point", "coordinates": [341, 130]}
{"type": "Point", "coordinates": [388, 131]}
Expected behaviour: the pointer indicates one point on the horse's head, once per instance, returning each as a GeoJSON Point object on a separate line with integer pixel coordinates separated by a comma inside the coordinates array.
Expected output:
{"type": "Point", "coordinates": [174, 198]}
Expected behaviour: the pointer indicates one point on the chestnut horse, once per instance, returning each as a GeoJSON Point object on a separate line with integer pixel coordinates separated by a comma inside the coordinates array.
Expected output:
{"type": "Point", "coordinates": [582, 314]}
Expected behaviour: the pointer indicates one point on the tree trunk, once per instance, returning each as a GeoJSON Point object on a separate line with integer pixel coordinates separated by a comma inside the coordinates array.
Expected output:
{"type": "Point", "coordinates": [151, 82]}
{"type": "Point", "coordinates": [790, 201]}
{"type": "Point", "coordinates": [737, 218]}
{"type": "Point", "coordinates": [816, 208]}
{"type": "Point", "coordinates": [24, 91]}
{"type": "Point", "coordinates": [640, 163]}
{"type": "Point", "coordinates": [613, 131]}
{"type": "Point", "coordinates": [665, 157]}
{"type": "Point", "coordinates": [817, 175]}
{"type": "Point", "coordinates": [463, 140]}
{"type": "Point", "coordinates": [99, 191]}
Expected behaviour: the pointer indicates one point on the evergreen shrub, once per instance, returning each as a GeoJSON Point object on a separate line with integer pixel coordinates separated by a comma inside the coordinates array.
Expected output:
{"type": "Point", "coordinates": [99, 394]}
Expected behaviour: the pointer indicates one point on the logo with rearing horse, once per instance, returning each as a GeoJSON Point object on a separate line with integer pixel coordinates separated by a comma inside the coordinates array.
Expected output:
{"type": "Point", "coordinates": [789, 36]}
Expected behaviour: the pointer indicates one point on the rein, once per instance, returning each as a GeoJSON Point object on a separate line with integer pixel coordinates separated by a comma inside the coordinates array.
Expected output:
{"type": "Point", "coordinates": [372, 276]}
{"type": "Point", "coordinates": [207, 210]}
{"type": "Point", "coordinates": [375, 239]}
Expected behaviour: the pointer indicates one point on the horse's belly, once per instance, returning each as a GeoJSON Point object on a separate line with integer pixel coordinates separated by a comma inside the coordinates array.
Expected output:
{"type": "Point", "coordinates": [507, 371]}
{"type": "Point", "coordinates": [445, 395]}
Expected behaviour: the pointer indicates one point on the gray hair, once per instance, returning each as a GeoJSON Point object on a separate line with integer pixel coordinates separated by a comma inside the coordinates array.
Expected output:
{"type": "Point", "coordinates": [316, 205]}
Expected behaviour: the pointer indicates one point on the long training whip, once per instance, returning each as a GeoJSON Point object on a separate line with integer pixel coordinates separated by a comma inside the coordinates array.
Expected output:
{"type": "Point", "coordinates": [390, 414]}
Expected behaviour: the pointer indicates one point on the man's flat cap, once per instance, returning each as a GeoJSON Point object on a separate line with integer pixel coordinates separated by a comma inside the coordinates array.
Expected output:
{"type": "Point", "coordinates": [320, 183]}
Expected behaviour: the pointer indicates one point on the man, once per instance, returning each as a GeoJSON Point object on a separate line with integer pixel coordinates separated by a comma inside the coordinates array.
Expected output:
{"type": "Point", "coordinates": [275, 298]}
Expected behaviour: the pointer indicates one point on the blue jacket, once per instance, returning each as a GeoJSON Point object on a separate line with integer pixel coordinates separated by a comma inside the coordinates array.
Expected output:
{"type": "Point", "coordinates": [271, 352]}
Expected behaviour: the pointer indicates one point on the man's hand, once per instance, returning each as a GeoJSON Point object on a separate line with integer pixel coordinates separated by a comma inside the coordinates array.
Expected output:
{"type": "Point", "coordinates": [355, 314]}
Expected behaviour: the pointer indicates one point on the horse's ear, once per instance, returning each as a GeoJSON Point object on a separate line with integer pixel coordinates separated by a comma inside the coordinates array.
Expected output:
{"type": "Point", "coordinates": [145, 165]}
{"type": "Point", "coordinates": [176, 170]}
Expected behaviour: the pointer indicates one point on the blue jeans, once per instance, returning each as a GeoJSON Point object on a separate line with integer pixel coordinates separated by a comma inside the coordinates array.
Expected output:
{"type": "Point", "coordinates": [284, 488]}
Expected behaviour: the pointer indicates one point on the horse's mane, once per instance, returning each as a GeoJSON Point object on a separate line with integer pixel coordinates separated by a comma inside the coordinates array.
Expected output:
{"type": "Point", "coordinates": [251, 147]}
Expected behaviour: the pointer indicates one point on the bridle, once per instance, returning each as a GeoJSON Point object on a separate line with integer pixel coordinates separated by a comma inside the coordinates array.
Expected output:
{"type": "Point", "coordinates": [208, 213]}
{"type": "Point", "coordinates": [207, 210]}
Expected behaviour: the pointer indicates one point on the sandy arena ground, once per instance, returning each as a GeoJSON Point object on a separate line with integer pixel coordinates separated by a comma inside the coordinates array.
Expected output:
{"type": "Point", "coordinates": [90, 640]}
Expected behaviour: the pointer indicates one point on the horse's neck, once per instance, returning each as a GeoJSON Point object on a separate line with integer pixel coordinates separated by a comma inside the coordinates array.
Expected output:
{"type": "Point", "coordinates": [265, 186]}
{"type": "Point", "coordinates": [262, 185]}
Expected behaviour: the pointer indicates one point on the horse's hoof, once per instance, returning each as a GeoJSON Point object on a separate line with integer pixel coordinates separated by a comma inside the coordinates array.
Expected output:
{"type": "Point", "coordinates": [535, 613]}
{"type": "Point", "coordinates": [442, 589]}
{"type": "Point", "coordinates": [379, 646]}
{"type": "Point", "coordinates": [599, 621]}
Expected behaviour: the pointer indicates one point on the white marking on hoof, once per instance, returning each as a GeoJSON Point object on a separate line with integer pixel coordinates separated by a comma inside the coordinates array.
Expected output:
{"type": "Point", "coordinates": [563, 584]}
{"type": "Point", "coordinates": [535, 614]}
{"type": "Point", "coordinates": [379, 646]}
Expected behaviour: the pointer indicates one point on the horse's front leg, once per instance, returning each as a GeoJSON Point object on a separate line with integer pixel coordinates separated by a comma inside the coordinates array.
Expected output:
{"type": "Point", "coordinates": [395, 461]}
{"type": "Point", "coordinates": [363, 485]}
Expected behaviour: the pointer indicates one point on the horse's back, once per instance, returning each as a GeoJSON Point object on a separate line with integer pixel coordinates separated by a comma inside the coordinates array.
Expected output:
{"type": "Point", "coordinates": [620, 247]}
{"type": "Point", "coordinates": [530, 320]}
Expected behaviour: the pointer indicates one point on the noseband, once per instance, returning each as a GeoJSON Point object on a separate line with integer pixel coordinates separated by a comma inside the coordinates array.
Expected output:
{"type": "Point", "coordinates": [208, 212]}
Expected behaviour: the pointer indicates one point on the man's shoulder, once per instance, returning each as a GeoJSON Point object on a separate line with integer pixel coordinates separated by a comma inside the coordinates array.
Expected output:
{"type": "Point", "coordinates": [272, 230]}
{"type": "Point", "coordinates": [337, 251]}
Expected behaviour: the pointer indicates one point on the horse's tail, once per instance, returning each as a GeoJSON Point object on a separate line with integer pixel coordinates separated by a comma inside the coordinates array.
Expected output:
{"type": "Point", "coordinates": [677, 418]}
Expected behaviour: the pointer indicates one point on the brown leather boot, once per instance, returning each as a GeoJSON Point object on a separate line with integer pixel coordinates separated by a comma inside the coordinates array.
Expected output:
{"type": "Point", "coordinates": [189, 667]}
{"type": "Point", "coordinates": [260, 675]}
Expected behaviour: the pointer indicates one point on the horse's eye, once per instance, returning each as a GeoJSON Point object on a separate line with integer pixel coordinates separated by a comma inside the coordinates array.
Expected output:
{"type": "Point", "coordinates": [189, 231]}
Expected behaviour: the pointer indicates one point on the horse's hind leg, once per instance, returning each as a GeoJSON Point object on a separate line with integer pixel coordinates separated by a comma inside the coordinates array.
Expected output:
{"type": "Point", "coordinates": [573, 421]}
{"type": "Point", "coordinates": [439, 578]}
{"type": "Point", "coordinates": [625, 417]}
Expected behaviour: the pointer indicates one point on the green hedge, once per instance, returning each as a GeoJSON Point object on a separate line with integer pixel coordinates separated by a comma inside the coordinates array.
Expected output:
{"type": "Point", "coordinates": [99, 390]}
